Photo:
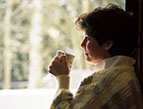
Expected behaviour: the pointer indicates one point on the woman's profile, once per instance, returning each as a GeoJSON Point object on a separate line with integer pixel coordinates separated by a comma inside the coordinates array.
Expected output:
{"type": "Point", "coordinates": [109, 41]}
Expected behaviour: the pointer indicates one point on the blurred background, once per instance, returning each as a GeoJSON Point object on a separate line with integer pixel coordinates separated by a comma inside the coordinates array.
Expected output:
{"type": "Point", "coordinates": [31, 31]}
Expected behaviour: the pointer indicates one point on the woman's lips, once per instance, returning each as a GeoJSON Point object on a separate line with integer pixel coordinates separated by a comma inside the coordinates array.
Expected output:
{"type": "Point", "coordinates": [86, 53]}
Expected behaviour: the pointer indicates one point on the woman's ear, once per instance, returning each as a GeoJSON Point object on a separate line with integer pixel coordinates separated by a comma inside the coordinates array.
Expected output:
{"type": "Point", "coordinates": [108, 44]}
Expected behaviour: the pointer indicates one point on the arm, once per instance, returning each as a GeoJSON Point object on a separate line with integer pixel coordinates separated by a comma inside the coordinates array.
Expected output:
{"type": "Point", "coordinates": [84, 98]}
{"type": "Point", "coordinates": [63, 96]}
{"type": "Point", "coordinates": [61, 71]}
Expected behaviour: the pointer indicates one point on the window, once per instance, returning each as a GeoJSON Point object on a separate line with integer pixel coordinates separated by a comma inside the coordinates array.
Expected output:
{"type": "Point", "coordinates": [32, 32]}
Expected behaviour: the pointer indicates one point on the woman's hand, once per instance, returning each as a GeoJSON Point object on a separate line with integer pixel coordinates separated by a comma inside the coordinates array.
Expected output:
{"type": "Point", "coordinates": [59, 67]}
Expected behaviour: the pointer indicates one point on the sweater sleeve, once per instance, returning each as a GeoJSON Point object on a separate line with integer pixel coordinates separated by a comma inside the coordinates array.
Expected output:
{"type": "Point", "coordinates": [63, 96]}
{"type": "Point", "coordinates": [63, 82]}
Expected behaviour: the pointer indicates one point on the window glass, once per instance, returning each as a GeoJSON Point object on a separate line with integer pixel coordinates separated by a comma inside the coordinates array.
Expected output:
{"type": "Point", "coordinates": [31, 33]}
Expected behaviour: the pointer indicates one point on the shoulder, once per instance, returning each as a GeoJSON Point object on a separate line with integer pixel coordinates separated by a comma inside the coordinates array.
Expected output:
{"type": "Point", "coordinates": [113, 73]}
{"type": "Point", "coordinates": [115, 76]}
{"type": "Point", "coordinates": [110, 85]}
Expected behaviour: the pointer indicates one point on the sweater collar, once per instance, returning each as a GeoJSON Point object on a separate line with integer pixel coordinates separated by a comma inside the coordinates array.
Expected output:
{"type": "Point", "coordinates": [115, 61]}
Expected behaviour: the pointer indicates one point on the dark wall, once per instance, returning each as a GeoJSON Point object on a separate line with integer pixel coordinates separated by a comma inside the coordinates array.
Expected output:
{"type": "Point", "coordinates": [135, 6]}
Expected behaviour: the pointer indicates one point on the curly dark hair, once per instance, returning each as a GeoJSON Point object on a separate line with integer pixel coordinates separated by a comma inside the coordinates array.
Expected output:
{"type": "Point", "coordinates": [111, 23]}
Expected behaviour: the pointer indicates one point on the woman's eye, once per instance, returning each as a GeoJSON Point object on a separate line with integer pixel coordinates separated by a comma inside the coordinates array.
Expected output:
{"type": "Point", "coordinates": [88, 38]}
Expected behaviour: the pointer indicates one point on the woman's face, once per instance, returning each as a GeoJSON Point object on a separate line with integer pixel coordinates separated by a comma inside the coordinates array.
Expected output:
{"type": "Point", "coordinates": [93, 51]}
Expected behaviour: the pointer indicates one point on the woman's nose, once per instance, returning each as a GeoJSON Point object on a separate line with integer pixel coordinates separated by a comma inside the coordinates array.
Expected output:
{"type": "Point", "coordinates": [83, 44]}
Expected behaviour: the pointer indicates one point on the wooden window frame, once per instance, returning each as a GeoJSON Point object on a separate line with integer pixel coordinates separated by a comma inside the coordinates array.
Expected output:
{"type": "Point", "coordinates": [136, 6]}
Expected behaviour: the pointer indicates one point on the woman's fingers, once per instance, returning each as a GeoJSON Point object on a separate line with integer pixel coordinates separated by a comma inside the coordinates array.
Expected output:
{"type": "Point", "coordinates": [51, 70]}
{"type": "Point", "coordinates": [59, 67]}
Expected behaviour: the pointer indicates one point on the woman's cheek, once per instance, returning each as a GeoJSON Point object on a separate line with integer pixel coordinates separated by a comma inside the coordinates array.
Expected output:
{"type": "Point", "coordinates": [89, 47]}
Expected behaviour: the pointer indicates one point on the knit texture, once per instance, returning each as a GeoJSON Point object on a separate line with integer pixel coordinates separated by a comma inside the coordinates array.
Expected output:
{"type": "Point", "coordinates": [112, 88]}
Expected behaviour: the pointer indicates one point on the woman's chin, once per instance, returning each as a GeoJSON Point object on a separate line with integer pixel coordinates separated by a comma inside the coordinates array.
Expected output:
{"type": "Point", "coordinates": [88, 59]}
{"type": "Point", "coordinates": [91, 61]}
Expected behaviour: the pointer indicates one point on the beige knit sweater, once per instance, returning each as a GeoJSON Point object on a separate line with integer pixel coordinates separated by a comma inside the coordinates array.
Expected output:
{"type": "Point", "coordinates": [112, 86]}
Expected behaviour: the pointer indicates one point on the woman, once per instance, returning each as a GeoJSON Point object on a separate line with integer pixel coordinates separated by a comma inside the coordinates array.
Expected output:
{"type": "Point", "coordinates": [109, 41]}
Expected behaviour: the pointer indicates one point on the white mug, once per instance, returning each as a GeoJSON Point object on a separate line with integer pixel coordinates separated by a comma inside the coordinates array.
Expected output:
{"type": "Point", "coordinates": [70, 57]}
